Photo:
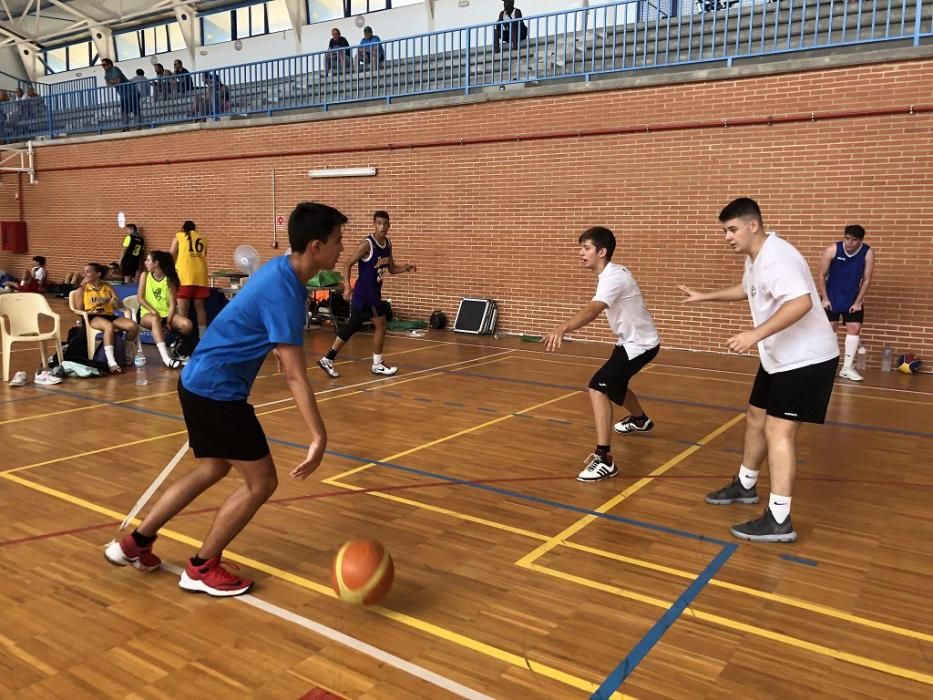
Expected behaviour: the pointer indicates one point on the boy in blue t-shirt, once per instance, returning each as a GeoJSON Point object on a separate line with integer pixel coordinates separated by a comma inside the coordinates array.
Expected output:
{"type": "Point", "coordinates": [223, 431]}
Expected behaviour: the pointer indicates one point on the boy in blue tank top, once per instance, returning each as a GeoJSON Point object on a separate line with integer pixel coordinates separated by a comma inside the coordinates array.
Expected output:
{"type": "Point", "coordinates": [223, 430]}
{"type": "Point", "coordinates": [373, 258]}
{"type": "Point", "coordinates": [846, 267]}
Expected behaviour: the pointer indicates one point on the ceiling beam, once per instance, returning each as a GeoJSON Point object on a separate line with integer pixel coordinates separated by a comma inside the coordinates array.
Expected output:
{"type": "Point", "coordinates": [9, 15]}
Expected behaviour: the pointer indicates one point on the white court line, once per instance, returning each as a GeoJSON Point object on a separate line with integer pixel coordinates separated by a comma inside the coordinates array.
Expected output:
{"type": "Point", "coordinates": [357, 645]}
{"type": "Point", "coordinates": [386, 379]}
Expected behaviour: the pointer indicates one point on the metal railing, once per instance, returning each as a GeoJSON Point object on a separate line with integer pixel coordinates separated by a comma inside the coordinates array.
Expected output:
{"type": "Point", "coordinates": [571, 45]}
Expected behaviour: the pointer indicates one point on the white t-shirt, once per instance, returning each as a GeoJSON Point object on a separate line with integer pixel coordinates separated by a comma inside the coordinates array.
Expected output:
{"type": "Point", "coordinates": [39, 274]}
{"type": "Point", "coordinates": [627, 314]}
{"type": "Point", "coordinates": [776, 276]}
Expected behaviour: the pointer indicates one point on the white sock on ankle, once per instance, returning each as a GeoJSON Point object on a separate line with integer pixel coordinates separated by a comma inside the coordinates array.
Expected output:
{"type": "Point", "coordinates": [111, 360]}
{"type": "Point", "coordinates": [852, 342]}
{"type": "Point", "coordinates": [163, 351]}
{"type": "Point", "coordinates": [377, 359]}
{"type": "Point", "coordinates": [747, 477]}
{"type": "Point", "coordinates": [779, 507]}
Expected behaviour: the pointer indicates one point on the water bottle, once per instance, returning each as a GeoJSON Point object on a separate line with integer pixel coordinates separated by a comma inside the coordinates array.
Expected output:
{"type": "Point", "coordinates": [861, 358]}
{"type": "Point", "coordinates": [886, 359]}
{"type": "Point", "coordinates": [139, 362]}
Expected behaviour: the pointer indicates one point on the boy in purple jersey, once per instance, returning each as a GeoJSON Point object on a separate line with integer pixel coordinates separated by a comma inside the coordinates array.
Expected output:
{"type": "Point", "coordinates": [373, 258]}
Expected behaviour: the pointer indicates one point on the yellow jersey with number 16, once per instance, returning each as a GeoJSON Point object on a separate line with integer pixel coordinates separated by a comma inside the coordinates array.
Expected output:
{"type": "Point", "coordinates": [192, 259]}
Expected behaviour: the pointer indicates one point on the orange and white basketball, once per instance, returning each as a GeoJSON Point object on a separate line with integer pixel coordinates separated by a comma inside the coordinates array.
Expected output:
{"type": "Point", "coordinates": [362, 572]}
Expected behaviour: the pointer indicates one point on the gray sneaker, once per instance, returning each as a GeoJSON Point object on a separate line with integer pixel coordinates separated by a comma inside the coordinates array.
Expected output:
{"type": "Point", "coordinates": [733, 493]}
{"type": "Point", "coordinates": [766, 529]}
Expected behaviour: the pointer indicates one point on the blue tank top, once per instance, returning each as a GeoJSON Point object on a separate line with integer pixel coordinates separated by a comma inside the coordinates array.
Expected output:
{"type": "Point", "coordinates": [845, 277]}
{"type": "Point", "coordinates": [370, 270]}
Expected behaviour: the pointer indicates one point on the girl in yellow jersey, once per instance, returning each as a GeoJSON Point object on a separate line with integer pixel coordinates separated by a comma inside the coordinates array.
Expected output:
{"type": "Point", "coordinates": [189, 249]}
{"type": "Point", "coordinates": [101, 302]}
{"type": "Point", "coordinates": [158, 287]}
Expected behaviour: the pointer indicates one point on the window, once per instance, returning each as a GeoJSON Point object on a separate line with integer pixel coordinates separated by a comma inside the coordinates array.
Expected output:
{"type": "Point", "coordinates": [128, 46]}
{"type": "Point", "coordinates": [216, 28]}
{"type": "Point", "coordinates": [277, 14]}
{"type": "Point", "coordinates": [361, 7]}
{"type": "Point", "coordinates": [56, 60]}
{"type": "Point", "coordinates": [176, 39]}
{"type": "Point", "coordinates": [79, 55]}
{"type": "Point", "coordinates": [324, 10]}
{"type": "Point", "coordinates": [402, 3]}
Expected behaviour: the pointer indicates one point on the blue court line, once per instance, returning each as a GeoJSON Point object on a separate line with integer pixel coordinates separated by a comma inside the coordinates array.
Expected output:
{"type": "Point", "coordinates": [433, 475]}
{"type": "Point", "coordinates": [653, 636]}
{"type": "Point", "coordinates": [679, 402]}
{"type": "Point", "coordinates": [799, 560]}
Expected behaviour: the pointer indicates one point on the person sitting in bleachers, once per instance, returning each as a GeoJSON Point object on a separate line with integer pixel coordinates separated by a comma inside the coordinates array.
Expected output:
{"type": "Point", "coordinates": [214, 98]}
{"type": "Point", "coordinates": [370, 53]}
{"type": "Point", "coordinates": [338, 52]}
{"type": "Point", "coordinates": [509, 32]}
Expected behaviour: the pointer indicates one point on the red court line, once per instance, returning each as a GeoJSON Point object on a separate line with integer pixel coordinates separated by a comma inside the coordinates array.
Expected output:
{"type": "Point", "coordinates": [435, 484]}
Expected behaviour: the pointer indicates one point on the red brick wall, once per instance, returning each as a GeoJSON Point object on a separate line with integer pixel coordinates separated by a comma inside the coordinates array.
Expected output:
{"type": "Point", "coordinates": [500, 219]}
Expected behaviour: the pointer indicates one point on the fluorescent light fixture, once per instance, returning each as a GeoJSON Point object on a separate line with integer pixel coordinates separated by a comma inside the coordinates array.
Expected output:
{"type": "Point", "coordinates": [342, 172]}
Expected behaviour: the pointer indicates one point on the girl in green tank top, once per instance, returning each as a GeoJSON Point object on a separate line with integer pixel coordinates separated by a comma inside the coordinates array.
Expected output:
{"type": "Point", "coordinates": [158, 312]}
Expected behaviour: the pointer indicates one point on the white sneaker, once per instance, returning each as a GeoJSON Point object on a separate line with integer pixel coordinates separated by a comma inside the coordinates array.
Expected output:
{"type": "Point", "coordinates": [597, 470]}
{"type": "Point", "coordinates": [849, 373]}
{"type": "Point", "coordinates": [19, 379]}
{"type": "Point", "coordinates": [384, 370]}
{"type": "Point", "coordinates": [328, 366]}
{"type": "Point", "coordinates": [44, 377]}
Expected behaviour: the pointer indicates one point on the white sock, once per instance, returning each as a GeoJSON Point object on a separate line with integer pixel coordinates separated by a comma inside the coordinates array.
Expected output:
{"type": "Point", "coordinates": [201, 331]}
{"type": "Point", "coordinates": [377, 359]}
{"type": "Point", "coordinates": [163, 351]}
{"type": "Point", "coordinates": [747, 477]}
{"type": "Point", "coordinates": [851, 348]}
{"type": "Point", "coordinates": [111, 360]}
{"type": "Point", "coordinates": [779, 507]}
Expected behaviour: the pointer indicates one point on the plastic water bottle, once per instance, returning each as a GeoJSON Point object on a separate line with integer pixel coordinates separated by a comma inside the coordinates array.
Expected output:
{"type": "Point", "coordinates": [886, 359]}
{"type": "Point", "coordinates": [861, 358]}
{"type": "Point", "coordinates": [139, 362]}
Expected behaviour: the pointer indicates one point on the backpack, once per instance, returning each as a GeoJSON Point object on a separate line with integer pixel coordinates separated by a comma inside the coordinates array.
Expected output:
{"type": "Point", "coordinates": [119, 352]}
{"type": "Point", "coordinates": [438, 321]}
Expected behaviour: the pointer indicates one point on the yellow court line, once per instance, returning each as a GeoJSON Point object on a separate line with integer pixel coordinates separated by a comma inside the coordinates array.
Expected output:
{"type": "Point", "coordinates": [820, 649]}
{"type": "Point", "coordinates": [451, 436]}
{"type": "Point", "coordinates": [660, 568]}
{"type": "Point", "coordinates": [631, 490]}
{"type": "Point", "coordinates": [512, 659]}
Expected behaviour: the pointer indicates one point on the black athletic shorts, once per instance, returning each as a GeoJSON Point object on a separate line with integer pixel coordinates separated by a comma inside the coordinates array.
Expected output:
{"type": "Point", "coordinates": [129, 265]}
{"type": "Point", "coordinates": [613, 377]}
{"type": "Point", "coordinates": [222, 429]}
{"type": "Point", "coordinates": [800, 394]}
{"type": "Point", "coordinates": [368, 313]}
{"type": "Point", "coordinates": [856, 317]}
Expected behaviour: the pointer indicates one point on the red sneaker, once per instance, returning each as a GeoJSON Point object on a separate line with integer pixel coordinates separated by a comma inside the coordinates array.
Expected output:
{"type": "Point", "coordinates": [212, 578]}
{"type": "Point", "coordinates": [126, 551]}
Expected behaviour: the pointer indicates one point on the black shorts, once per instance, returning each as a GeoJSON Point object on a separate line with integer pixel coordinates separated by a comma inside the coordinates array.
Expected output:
{"type": "Point", "coordinates": [368, 313]}
{"type": "Point", "coordinates": [106, 317]}
{"type": "Point", "coordinates": [800, 394]}
{"type": "Point", "coordinates": [613, 377]}
{"type": "Point", "coordinates": [856, 317]}
{"type": "Point", "coordinates": [129, 266]}
{"type": "Point", "coordinates": [222, 429]}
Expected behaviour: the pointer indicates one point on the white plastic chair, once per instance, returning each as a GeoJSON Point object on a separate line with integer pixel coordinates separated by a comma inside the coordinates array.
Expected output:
{"type": "Point", "coordinates": [19, 322]}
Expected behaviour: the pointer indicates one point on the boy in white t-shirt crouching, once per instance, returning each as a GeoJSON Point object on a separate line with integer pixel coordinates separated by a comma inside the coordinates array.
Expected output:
{"type": "Point", "coordinates": [618, 295]}
{"type": "Point", "coordinates": [798, 353]}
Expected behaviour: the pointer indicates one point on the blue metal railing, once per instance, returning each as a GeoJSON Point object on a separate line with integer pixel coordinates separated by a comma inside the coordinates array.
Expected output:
{"type": "Point", "coordinates": [573, 44]}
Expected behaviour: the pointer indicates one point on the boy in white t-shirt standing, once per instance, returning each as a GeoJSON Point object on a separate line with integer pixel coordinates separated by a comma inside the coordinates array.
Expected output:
{"type": "Point", "coordinates": [618, 295]}
{"type": "Point", "coordinates": [798, 353]}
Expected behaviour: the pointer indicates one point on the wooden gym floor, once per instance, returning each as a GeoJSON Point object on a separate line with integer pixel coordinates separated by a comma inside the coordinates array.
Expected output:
{"type": "Point", "coordinates": [513, 580]}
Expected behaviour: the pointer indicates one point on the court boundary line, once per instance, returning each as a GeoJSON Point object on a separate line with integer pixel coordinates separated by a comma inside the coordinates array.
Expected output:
{"type": "Point", "coordinates": [411, 621]}
{"type": "Point", "coordinates": [353, 643]}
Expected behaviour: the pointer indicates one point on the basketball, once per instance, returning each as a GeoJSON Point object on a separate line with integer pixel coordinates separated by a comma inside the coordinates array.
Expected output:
{"type": "Point", "coordinates": [908, 363]}
{"type": "Point", "coordinates": [362, 572]}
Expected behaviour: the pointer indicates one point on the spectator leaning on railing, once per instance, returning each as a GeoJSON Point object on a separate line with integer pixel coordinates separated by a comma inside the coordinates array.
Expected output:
{"type": "Point", "coordinates": [128, 95]}
{"type": "Point", "coordinates": [161, 88]}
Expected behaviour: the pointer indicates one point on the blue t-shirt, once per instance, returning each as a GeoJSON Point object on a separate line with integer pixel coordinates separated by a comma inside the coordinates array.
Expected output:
{"type": "Point", "coordinates": [269, 311]}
